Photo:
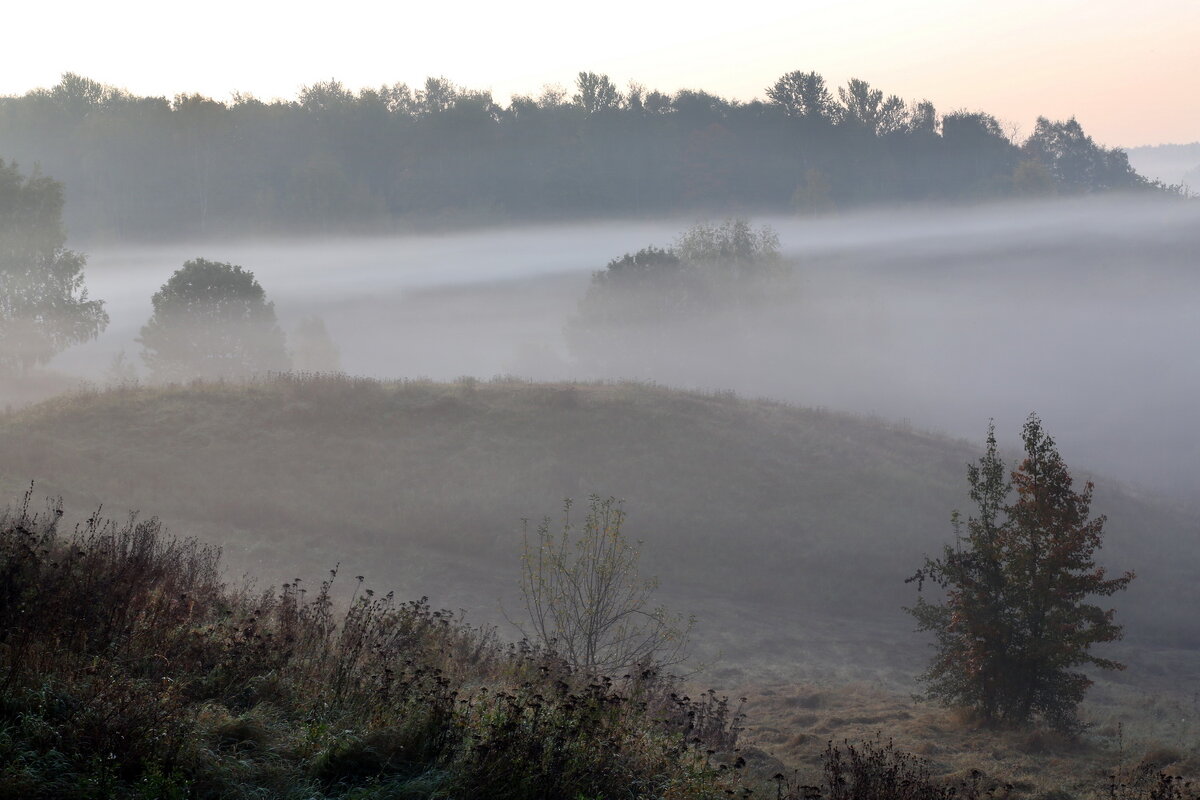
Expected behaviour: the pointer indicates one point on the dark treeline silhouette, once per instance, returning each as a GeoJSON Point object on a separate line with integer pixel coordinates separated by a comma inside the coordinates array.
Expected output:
{"type": "Point", "coordinates": [373, 160]}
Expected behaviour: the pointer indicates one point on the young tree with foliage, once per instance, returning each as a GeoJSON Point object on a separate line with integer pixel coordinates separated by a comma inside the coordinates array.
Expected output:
{"type": "Point", "coordinates": [1016, 620]}
{"type": "Point", "coordinates": [44, 305]}
{"type": "Point", "coordinates": [212, 320]}
{"type": "Point", "coordinates": [587, 601]}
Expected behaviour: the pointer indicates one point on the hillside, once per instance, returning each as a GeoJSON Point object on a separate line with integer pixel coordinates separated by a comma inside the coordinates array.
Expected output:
{"type": "Point", "coordinates": [787, 531]}
{"type": "Point", "coordinates": [742, 504]}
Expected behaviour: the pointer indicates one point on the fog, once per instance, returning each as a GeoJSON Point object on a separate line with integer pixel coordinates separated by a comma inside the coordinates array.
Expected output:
{"type": "Point", "coordinates": [1086, 311]}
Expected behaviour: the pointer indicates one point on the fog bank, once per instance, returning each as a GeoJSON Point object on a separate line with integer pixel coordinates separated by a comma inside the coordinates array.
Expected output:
{"type": "Point", "coordinates": [1085, 311]}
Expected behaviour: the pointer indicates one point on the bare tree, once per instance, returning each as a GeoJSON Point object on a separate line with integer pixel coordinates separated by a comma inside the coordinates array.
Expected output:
{"type": "Point", "coordinates": [587, 600]}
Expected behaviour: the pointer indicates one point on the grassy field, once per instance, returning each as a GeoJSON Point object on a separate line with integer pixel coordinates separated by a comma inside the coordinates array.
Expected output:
{"type": "Point", "coordinates": [787, 531]}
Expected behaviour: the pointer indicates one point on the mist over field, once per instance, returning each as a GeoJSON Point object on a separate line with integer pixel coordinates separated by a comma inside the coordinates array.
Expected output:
{"type": "Point", "coordinates": [662, 391]}
{"type": "Point", "coordinates": [1083, 310]}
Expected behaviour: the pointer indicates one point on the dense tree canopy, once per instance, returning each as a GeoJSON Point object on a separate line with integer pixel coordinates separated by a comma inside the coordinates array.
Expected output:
{"type": "Point", "coordinates": [338, 159]}
{"type": "Point", "coordinates": [1075, 162]}
{"type": "Point", "coordinates": [44, 305]}
{"type": "Point", "coordinates": [212, 320]}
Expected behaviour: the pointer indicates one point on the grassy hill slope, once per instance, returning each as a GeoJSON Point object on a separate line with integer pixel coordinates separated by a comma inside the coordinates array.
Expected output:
{"type": "Point", "coordinates": [740, 503]}
{"type": "Point", "coordinates": [788, 531]}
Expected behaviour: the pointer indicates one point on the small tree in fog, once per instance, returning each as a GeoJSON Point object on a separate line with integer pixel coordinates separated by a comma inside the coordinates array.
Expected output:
{"type": "Point", "coordinates": [212, 320]}
{"type": "Point", "coordinates": [313, 349]}
{"type": "Point", "coordinates": [587, 601]}
{"type": "Point", "coordinates": [44, 305]}
{"type": "Point", "coordinates": [1016, 621]}
{"type": "Point", "coordinates": [710, 269]}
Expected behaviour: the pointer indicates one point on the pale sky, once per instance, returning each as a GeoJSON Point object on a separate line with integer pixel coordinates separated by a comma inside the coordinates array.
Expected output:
{"type": "Point", "coordinates": [1129, 71]}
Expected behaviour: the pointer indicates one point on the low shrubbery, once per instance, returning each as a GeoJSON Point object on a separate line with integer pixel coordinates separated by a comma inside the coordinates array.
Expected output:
{"type": "Point", "coordinates": [129, 669]}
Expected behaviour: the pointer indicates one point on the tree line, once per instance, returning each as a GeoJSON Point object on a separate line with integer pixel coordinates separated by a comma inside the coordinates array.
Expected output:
{"type": "Point", "coordinates": [376, 159]}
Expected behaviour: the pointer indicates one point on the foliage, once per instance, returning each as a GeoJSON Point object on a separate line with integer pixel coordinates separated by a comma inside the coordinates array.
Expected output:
{"type": "Point", "coordinates": [649, 284]}
{"type": "Point", "coordinates": [711, 266]}
{"type": "Point", "coordinates": [587, 601]}
{"type": "Point", "coordinates": [1033, 179]}
{"type": "Point", "coordinates": [803, 94]}
{"type": "Point", "coordinates": [979, 154]}
{"type": "Point", "coordinates": [1016, 621]}
{"type": "Point", "coordinates": [128, 669]}
{"type": "Point", "coordinates": [731, 247]}
{"type": "Point", "coordinates": [44, 305]}
{"type": "Point", "coordinates": [596, 94]}
{"type": "Point", "coordinates": [1076, 163]}
{"type": "Point", "coordinates": [212, 320]}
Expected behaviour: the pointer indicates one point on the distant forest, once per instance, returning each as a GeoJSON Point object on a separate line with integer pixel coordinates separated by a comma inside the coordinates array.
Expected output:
{"type": "Point", "coordinates": [381, 159]}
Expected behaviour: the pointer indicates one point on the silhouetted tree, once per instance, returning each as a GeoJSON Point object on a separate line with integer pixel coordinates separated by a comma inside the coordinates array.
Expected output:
{"type": "Point", "coordinates": [802, 94]}
{"type": "Point", "coordinates": [596, 93]}
{"type": "Point", "coordinates": [212, 320]}
{"type": "Point", "coordinates": [437, 96]}
{"type": "Point", "coordinates": [861, 104]}
{"type": "Point", "coordinates": [977, 157]}
{"type": "Point", "coordinates": [1077, 163]}
{"type": "Point", "coordinates": [1016, 620]}
{"type": "Point", "coordinates": [44, 305]}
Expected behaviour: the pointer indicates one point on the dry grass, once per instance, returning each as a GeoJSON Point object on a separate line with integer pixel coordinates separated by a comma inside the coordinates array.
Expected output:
{"type": "Point", "coordinates": [426, 484]}
{"type": "Point", "coordinates": [796, 722]}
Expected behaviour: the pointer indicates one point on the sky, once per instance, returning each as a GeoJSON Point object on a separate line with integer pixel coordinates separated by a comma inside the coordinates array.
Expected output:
{"type": "Point", "coordinates": [1127, 71]}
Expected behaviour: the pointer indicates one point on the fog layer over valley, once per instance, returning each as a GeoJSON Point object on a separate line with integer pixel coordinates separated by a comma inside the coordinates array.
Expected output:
{"type": "Point", "coordinates": [787, 529]}
{"type": "Point", "coordinates": [1084, 310]}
